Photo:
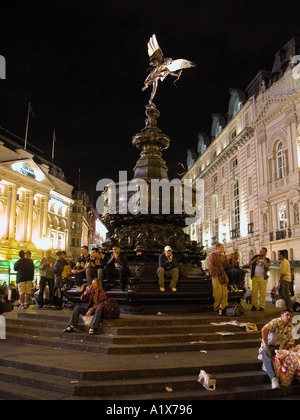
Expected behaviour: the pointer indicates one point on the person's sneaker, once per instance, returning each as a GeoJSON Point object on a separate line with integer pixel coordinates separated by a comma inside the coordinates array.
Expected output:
{"type": "Point", "coordinates": [275, 383]}
{"type": "Point", "coordinates": [162, 289]}
{"type": "Point", "coordinates": [261, 309]}
{"type": "Point", "coordinates": [174, 289]}
{"type": "Point", "coordinates": [253, 308]}
{"type": "Point", "coordinates": [91, 331]}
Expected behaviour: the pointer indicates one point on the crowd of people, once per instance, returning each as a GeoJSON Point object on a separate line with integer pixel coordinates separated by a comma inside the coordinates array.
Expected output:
{"type": "Point", "coordinates": [225, 272]}
{"type": "Point", "coordinates": [57, 273]}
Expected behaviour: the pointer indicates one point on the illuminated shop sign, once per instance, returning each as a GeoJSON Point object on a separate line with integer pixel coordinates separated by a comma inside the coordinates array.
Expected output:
{"type": "Point", "coordinates": [27, 171]}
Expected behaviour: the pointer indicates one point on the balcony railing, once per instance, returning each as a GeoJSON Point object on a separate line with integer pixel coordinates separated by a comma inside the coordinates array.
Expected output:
{"type": "Point", "coordinates": [277, 235]}
{"type": "Point", "coordinates": [235, 233]}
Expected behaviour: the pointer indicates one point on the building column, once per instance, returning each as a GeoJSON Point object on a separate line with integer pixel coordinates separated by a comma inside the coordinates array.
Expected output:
{"type": "Point", "coordinates": [30, 217]}
{"type": "Point", "coordinates": [45, 217]}
{"type": "Point", "coordinates": [11, 216]}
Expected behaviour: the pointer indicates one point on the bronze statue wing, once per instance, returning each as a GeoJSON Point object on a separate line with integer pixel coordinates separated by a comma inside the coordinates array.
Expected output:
{"type": "Point", "coordinates": [154, 51]}
{"type": "Point", "coordinates": [179, 64]}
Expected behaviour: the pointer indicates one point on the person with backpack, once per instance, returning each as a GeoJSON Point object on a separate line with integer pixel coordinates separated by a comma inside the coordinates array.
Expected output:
{"type": "Point", "coordinates": [96, 296]}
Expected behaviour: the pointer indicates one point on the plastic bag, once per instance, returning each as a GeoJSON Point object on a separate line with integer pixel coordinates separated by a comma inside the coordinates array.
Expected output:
{"type": "Point", "coordinates": [87, 320]}
{"type": "Point", "coordinates": [285, 366]}
{"type": "Point", "coordinates": [206, 381]}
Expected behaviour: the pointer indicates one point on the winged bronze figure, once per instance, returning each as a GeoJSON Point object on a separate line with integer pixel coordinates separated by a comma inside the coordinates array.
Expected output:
{"type": "Point", "coordinates": [161, 67]}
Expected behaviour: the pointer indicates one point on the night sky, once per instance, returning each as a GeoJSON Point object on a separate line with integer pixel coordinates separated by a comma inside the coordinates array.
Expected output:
{"type": "Point", "coordinates": [82, 65]}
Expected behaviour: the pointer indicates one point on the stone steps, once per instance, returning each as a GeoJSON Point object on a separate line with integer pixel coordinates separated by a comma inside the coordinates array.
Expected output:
{"type": "Point", "coordinates": [141, 358]}
{"type": "Point", "coordinates": [244, 382]}
{"type": "Point", "coordinates": [129, 335]}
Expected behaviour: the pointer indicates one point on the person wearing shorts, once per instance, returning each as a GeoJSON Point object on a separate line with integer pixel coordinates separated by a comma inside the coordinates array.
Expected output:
{"type": "Point", "coordinates": [25, 273]}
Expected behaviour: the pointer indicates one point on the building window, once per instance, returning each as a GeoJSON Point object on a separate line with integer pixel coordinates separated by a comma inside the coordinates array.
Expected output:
{"type": "Point", "coordinates": [234, 164]}
{"type": "Point", "coordinates": [215, 217]}
{"type": "Point", "coordinates": [248, 151]}
{"type": "Point", "coordinates": [282, 216]}
{"type": "Point", "coordinates": [281, 162]}
{"type": "Point", "coordinates": [236, 207]}
{"type": "Point", "coordinates": [250, 186]}
{"type": "Point", "coordinates": [296, 214]}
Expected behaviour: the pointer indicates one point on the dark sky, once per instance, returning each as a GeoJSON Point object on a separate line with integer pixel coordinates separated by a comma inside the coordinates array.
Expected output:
{"type": "Point", "coordinates": [82, 65]}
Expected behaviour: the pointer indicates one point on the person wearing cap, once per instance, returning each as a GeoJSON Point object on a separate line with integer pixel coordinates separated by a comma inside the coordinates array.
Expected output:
{"type": "Point", "coordinates": [167, 268]}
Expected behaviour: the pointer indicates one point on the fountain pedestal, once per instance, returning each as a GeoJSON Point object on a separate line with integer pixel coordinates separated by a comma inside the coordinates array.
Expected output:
{"type": "Point", "coordinates": [142, 237]}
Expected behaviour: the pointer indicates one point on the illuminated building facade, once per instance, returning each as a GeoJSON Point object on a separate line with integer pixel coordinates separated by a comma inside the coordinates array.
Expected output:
{"type": "Point", "coordinates": [251, 169]}
{"type": "Point", "coordinates": [35, 202]}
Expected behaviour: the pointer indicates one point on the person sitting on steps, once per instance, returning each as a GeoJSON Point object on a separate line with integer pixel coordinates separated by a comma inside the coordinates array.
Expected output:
{"type": "Point", "coordinates": [96, 297]}
{"type": "Point", "coordinates": [167, 268]}
{"type": "Point", "coordinates": [117, 268]}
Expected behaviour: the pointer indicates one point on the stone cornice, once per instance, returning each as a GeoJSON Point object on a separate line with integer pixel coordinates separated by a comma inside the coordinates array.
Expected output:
{"type": "Point", "coordinates": [229, 150]}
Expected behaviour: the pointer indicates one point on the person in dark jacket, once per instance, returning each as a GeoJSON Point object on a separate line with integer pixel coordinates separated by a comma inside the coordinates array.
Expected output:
{"type": "Point", "coordinates": [57, 268]}
{"type": "Point", "coordinates": [117, 268]}
{"type": "Point", "coordinates": [167, 267]}
{"type": "Point", "coordinates": [25, 274]}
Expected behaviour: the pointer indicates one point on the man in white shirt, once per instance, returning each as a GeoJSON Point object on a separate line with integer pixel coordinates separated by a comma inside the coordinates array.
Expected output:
{"type": "Point", "coordinates": [259, 275]}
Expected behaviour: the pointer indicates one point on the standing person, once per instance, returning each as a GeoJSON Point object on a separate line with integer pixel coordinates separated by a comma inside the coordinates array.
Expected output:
{"type": "Point", "coordinates": [277, 334]}
{"type": "Point", "coordinates": [57, 268]}
{"type": "Point", "coordinates": [248, 295]}
{"type": "Point", "coordinates": [167, 268]}
{"type": "Point", "coordinates": [216, 264]}
{"type": "Point", "coordinates": [25, 273]}
{"type": "Point", "coordinates": [80, 268]}
{"type": "Point", "coordinates": [259, 275]}
{"type": "Point", "coordinates": [117, 268]}
{"type": "Point", "coordinates": [96, 296]}
{"type": "Point", "coordinates": [47, 277]}
{"type": "Point", "coordinates": [285, 280]}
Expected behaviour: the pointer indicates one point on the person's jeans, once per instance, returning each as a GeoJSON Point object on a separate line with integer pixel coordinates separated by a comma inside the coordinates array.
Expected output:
{"type": "Point", "coordinates": [82, 310]}
{"type": "Point", "coordinates": [111, 274]}
{"type": "Point", "coordinates": [92, 273]}
{"type": "Point", "coordinates": [267, 359]}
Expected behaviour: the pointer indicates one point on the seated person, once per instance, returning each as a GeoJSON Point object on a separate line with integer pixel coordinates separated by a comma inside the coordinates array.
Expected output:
{"type": "Point", "coordinates": [167, 267]}
{"type": "Point", "coordinates": [96, 297]}
{"type": "Point", "coordinates": [117, 268]}
{"type": "Point", "coordinates": [231, 270]}
{"type": "Point", "coordinates": [80, 268]}
{"type": "Point", "coordinates": [277, 334]}
{"type": "Point", "coordinates": [95, 266]}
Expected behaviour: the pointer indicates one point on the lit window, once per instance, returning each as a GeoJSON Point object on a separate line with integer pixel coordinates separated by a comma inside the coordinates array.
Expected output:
{"type": "Point", "coordinates": [281, 162]}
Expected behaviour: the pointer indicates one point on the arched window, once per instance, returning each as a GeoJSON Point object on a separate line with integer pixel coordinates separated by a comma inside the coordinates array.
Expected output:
{"type": "Point", "coordinates": [281, 162]}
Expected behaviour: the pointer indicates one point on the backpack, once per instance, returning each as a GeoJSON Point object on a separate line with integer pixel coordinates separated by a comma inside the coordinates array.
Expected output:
{"type": "Point", "coordinates": [235, 310]}
{"type": "Point", "coordinates": [111, 309]}
{"type": "Point", "coordinates": [67, 272]}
